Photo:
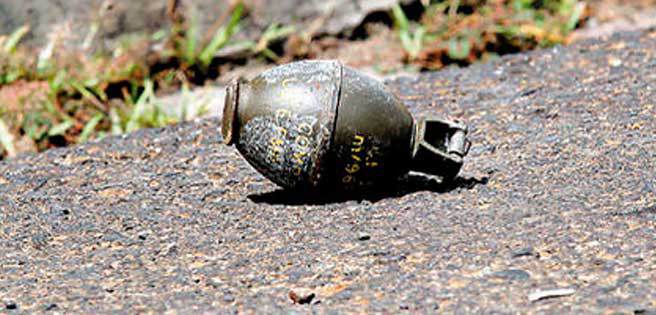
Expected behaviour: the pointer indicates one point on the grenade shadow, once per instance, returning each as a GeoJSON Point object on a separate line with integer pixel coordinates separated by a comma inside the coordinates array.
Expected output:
{"type": "Point", "coordinates": [410, 183]}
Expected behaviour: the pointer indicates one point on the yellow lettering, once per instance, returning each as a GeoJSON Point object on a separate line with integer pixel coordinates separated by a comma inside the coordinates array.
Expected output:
{"type": "Point", "coordinates": [298, 156]}
{"type": "Point", "coordinates": [305, 128]}
{"type": "Point", "coordinates": [282, 131]}
{"type": "Point", "coordinates": [274, 154]}
{"type": "Point", "coordinates": [302, 141]}
{"type": "Point", "coordinates": [276, 142]}
{"type": "Point", "coordinates": [286, 82]}
{"type": "Point", "coordinates": [282, 114]}
{"type": "Point", "coordinates": [354, 168]}
{"type": "Point", "coordinates": [358, 140]}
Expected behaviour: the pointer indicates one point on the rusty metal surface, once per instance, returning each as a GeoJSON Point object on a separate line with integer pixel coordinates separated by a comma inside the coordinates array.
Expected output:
{"type": "Point", "coordinates": [557, 193]}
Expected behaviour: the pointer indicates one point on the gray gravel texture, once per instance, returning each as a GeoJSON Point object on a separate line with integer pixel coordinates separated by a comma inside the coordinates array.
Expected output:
{"type": "Point", "coordinates": [555, 210]}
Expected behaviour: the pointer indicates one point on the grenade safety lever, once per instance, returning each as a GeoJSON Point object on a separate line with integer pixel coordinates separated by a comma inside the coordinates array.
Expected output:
{"type": "Point", "coordinates": [439, 147]}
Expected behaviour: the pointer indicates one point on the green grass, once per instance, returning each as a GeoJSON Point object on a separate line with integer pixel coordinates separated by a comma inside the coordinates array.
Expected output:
{"type": "Point", "coordinates": [78, 107]}
{"type": "Point", "coordinates": [10, 44]}
{"type": "Point", "coordinates": [411, 39]}
{"type": "Point", "coordinates": [6, 140]}
{"type": "Point", "coordinates": [221, 37]}
{"type": "Point", "coordinates": [466, 31]}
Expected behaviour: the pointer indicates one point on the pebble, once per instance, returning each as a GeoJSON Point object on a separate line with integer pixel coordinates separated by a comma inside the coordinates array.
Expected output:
{"type": "Point", "coordinates": [526, 251]}
{"type": "Point", "coordinates": [228, 298]}
{"type": "Point", "coordinates": [614, 62]}
{"type": "Point", "coordinates": [512, 274]}
{"type": "Point", "coordinates": [300, 296]}
{"type": "Point", "coordinates": [51, 307]}
{"type": "Point", "coordinates": [362, 236]}
{"type": "Point", "coordinates": [546, 294]}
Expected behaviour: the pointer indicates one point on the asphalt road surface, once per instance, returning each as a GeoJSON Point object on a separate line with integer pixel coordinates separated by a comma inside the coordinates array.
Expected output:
{"type": "Point", "coordinates": [555, 210]}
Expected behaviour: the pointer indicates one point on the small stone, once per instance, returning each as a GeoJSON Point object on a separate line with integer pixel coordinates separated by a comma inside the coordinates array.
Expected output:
{"type": "Point", "coordinates": [344, 295]}
{"type": "Point", "coordinates": [11, 306]}
{"type": "Point", "coordinates": [228, 298]}
{"type": "Point", "coordinates": [614, 61]}
{"type": "Point", "coordinates": [526, 251]}
{"type": "Point", "coordinates": [546, 294]}
{"type": "Point", "coordinates": [300, 296]}
{"type": "Point", "coordinates": [362, 236]}
{"type": "Point", "coordinates": [512, 274]}
{"type": "Point", "coordinates": [51, 307]}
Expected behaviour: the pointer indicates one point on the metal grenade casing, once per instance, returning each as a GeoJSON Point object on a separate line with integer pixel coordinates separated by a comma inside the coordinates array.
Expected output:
{"type": "Point", "coordinates": [319, 124]}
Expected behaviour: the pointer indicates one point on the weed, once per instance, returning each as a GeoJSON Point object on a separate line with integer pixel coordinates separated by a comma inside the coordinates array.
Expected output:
{"type": "Point", "coordinates": [221, 37]}
{"type": "Point", "coordinates": [89, 96]}
{"type": "Point", "coordinates": [6, 139]}
{"type": "Point", "coordinates": [465, 31]}
{"type": "Point", "coordinates": [187, 46]}
{"type": "Point", "coordinates": [10, 44]}
{"type": "Point", "coordinates": [412, 41]}
{"type": "Point", "coordinates": [90, 127]}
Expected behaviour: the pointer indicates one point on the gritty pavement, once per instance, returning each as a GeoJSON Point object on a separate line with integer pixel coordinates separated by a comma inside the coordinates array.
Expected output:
{"type": "Point", "coordinates": [555, 211]}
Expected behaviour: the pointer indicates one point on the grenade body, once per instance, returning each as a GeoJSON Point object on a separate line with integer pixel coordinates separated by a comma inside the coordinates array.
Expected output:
{"type": "Point", "coordinates": [318, 124]}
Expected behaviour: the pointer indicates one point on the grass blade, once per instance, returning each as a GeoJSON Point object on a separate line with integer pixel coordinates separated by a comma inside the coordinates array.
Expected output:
{"type": "Point", "coordinates": [15, 37]}
{"type": "Point", "coordinates": [221, 37]}
{"type": "Point", "coordinates": [90, 127]}
{"type": "Point", "coordinates": [579, 7]}
{"type": "Point", "coordinates": [7, 139]}
{"type": "Point", "coordinates": [88, 95]}
{"type": "Point", "coordinates": [140, 107]}
{"type": "Point", "coordinates": [459, 49]}
{"type": "Point", "coordinates": [400, 19]}
{"type": "Point", "coordinates": [60, 129]}
{"type": "Point", "coordinates": [115, 119]}
{"type": "Point", "coordinates": [191, 38]}
{"type": "Point", "coordinates": [272, 33]}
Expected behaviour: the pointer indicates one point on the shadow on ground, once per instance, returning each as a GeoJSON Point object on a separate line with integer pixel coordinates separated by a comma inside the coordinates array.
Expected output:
{"type": "Point", "coordinates": [408, 184]}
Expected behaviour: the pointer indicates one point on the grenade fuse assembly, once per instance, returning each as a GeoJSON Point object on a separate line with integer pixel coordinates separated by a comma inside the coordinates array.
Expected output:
{"type": "Point", "coordinates": [320, 125]}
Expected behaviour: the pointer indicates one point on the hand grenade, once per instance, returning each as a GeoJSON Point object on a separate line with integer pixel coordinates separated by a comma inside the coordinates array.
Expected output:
{"type": "Point", "coordinates": [314, 125]}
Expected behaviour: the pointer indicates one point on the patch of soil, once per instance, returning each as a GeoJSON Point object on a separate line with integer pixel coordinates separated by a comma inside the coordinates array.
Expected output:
{"type": "Point", "coordinates": [20, 95]}
{"type": "Point", "coordinates": [381, 51]}
{"type": "Point", "coordinates": [611, 16]}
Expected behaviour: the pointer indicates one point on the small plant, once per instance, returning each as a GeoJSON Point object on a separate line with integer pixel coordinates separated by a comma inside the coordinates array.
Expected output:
{"type": "Point", "coordinates": [187, 44]}
{"type": "Point", "coordinates": [6, 140]}
{"type": "Point", "coordinates": [222, 36]}
{"type": "Point", "coordinates": [87, 97]}
{"type": "Point", "coordinates": [12, 62]}
{"type": "Point", "coordinates": [9, 45]}
{"type": "Point", "coordinates": [465, 31]}
{"type": "Point", "coordinates": [146, 112]}
{"type": "Point", "coordinates": [273, 33]}
{"type": "Point", "coordinates": [412, 41]}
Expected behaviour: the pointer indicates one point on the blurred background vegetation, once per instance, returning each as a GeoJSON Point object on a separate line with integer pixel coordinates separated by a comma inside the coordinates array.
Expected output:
{"type": "Point", "coordinates": [53, 96]}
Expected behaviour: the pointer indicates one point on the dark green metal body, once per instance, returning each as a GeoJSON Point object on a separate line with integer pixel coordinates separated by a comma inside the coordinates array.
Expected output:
{"type": "Point", "coordinates": [320, 125]}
